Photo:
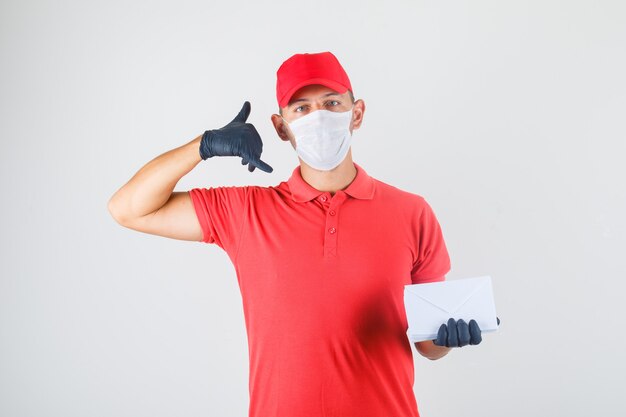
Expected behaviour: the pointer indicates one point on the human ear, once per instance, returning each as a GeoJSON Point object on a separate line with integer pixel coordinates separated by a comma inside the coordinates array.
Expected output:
{"type": "Point", "coordinates": [358, 111]}
{"type": "Point", "coordinates": [279, 126]}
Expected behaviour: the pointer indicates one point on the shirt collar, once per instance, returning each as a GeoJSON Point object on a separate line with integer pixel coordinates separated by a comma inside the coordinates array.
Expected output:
{"type": "Point", "coordinates": [362, 186]}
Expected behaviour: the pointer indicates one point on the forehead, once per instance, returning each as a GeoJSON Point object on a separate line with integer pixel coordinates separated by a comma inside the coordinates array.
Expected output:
{"type": "Point", "coordinates": [312, 92]}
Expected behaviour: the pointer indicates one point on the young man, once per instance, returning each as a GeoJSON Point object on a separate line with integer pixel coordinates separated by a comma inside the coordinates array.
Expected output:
{"type": "Point", "coordinates": [321, 259]}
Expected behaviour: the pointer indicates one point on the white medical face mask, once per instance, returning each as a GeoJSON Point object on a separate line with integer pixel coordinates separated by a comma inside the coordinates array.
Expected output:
{"type": "Point", "coordinates": [323, 138]}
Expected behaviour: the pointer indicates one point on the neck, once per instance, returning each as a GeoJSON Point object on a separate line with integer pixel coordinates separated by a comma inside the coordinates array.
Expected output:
{"type": "Point", "coordinates": [336, 179]}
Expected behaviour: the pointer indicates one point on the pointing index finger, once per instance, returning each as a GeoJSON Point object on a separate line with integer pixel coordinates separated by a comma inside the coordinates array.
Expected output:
{"type": "Point", "coordinates": [261, 165]}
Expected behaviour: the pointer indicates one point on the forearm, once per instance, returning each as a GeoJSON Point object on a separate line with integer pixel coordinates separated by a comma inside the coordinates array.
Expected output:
{"type": "Point", "coordinates": [150, 188]}
{"type": "Point", "coordinates": [431, 351]}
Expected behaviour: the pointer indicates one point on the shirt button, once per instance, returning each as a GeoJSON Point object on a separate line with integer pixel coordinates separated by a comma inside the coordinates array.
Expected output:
{"type": "Point", "coordinates": [332, 212]}
{"type": "Point", "coordinates": [332, 230]}
{"type": "Point", "coordinates": [323, 198]}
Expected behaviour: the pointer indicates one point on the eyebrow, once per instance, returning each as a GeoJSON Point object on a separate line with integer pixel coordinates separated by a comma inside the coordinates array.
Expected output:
{"type": "Point", "coordinates": [306, 99]}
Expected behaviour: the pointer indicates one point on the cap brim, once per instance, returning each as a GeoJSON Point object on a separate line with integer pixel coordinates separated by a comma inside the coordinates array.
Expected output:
{"type": "Point", "coordinates": [338, 87]}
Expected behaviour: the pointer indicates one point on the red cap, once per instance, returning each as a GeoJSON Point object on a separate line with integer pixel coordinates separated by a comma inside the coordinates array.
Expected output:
{"type": "Point", "coordinates": [306, 69]}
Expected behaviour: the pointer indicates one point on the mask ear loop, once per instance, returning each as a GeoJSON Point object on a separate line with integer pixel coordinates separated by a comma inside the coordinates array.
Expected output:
{"type": "Point", "coordinates": [351, 116]}
{"type": "Point", "coordinates": [286, 123]}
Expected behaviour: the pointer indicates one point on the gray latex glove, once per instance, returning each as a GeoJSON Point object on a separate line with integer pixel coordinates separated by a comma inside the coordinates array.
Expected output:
{"type": "Point", "coordinates": [459, 333]}
{"type": "Point", "coordinates": [237, 138]}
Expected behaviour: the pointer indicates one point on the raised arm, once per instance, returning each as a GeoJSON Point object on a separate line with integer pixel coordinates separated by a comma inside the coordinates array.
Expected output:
{"type": "Point", "coordinates": [147, 203]}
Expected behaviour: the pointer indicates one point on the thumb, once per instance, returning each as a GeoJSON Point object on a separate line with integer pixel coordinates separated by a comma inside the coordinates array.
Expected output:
{"type": "Point", "coordinates": [243, 113]}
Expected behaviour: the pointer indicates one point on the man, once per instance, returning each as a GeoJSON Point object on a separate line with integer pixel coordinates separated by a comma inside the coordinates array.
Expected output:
{"type": "Point", "coordinates": [321, 259]}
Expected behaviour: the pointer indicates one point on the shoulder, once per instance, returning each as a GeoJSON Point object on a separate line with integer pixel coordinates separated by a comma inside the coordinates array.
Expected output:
{"type": "Point", "coordinates": [270, 195]}
{"type": "Point", "coordinates": [243, 191]}
{"type": "Point", "coordinates": [406, 204]}
{"type": "Point", "coordinates": [398, 195]}
{"type": "Point", "coordinates": [260, 191]}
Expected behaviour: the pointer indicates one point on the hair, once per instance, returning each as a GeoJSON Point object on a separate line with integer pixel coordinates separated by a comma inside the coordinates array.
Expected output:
{"type": "Point", "coordinates": [280, 111]}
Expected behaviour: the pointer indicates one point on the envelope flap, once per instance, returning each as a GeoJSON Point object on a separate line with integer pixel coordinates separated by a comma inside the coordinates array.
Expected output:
{"type": "Point", "coordinates": [441, 297]}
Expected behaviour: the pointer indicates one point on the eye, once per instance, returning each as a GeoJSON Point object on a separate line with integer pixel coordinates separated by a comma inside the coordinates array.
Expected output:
{"type": "Point", "coordinates": [297, 109]}
{"type": "Point", "coordinates": [333, 101]}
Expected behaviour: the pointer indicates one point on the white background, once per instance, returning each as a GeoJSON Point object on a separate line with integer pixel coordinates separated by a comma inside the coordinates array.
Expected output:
{"type": "Point", "coordinates": [507, 116]}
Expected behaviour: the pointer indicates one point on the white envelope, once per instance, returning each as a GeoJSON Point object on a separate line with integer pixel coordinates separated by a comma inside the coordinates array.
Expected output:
{"type": "Point", "coordinates": [430, 305]}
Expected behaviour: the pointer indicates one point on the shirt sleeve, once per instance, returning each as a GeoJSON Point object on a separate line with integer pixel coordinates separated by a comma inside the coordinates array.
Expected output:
{"type": "Point", "coordinates": [221, 213]}
{"type": "Point", "coordinates": [433, 261]}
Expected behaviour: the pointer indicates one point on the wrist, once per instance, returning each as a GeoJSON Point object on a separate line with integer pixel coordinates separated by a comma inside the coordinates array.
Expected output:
{"type": "Point", "coordinates": [204, 148]}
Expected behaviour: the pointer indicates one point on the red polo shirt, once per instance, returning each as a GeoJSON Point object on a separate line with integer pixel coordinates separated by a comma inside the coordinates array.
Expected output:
{"type": "Point", "coordinates": [322, 282]}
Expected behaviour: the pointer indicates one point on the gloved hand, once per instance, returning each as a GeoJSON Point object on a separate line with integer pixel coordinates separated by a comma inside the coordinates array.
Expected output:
{"type": "Point", "coordinates": [459, 333]}
{"type": "Point", "coordinates": [237, 138]}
